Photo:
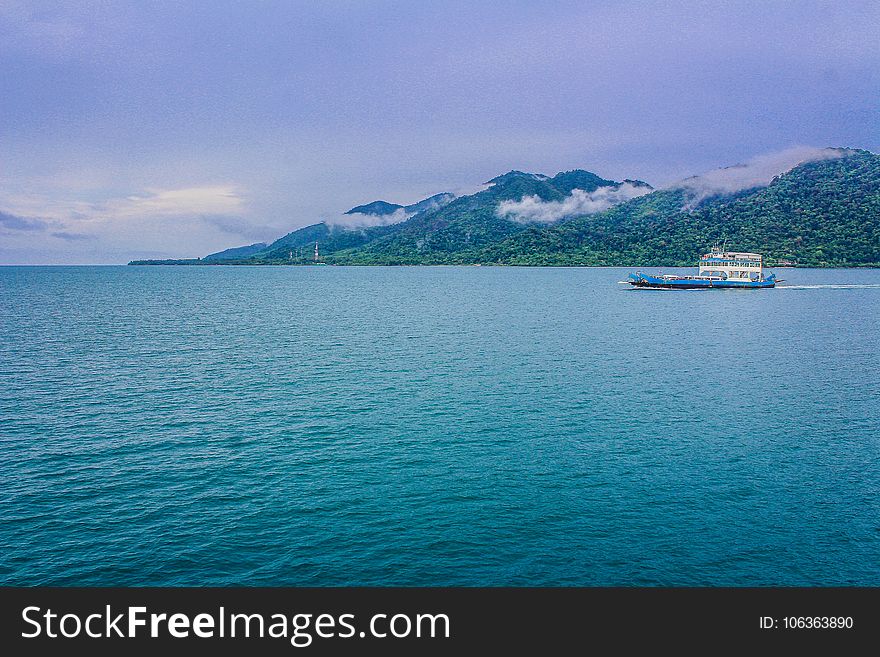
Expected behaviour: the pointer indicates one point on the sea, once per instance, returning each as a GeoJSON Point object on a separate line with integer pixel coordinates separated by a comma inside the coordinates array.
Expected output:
{"type": "Point", "coordinates": [434, 426]}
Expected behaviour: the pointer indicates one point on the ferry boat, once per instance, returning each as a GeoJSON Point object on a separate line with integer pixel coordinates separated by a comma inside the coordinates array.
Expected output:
{"type": "Point", "coordinates": [718, 269]}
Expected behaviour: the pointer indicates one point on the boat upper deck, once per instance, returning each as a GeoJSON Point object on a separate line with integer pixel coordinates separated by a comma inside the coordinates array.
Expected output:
{"type": "Point", "coordinates": [728, 256]}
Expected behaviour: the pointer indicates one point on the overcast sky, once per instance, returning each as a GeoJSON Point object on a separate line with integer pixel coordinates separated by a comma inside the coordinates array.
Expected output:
{"type": "Point", "coordinates": [174, 129]}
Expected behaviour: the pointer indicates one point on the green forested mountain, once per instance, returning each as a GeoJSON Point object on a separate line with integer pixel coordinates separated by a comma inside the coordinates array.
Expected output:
{"type": "Point", "coordinates": [382, 208]}
{"type": "Point", "coordinates": [298, 245]}
{"type": "Point", "coordinates": [430, 203]}
{"type": "Point", "coordinates": [237, 252]}
{"type": "Point", "coordinates": [442, 225]}
{"type": "Point", "coordinates": [823, 213]}
{"type": "Point", "coordinates": [468, 223]}
{"type": "Point", "coordinates": [378, 208]}
{"type": "Point", "coordinates": [295, 241]}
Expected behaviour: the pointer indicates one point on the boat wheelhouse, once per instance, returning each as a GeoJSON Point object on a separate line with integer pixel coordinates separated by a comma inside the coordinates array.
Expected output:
{"type": "Point", "coordinates": [717, 269]}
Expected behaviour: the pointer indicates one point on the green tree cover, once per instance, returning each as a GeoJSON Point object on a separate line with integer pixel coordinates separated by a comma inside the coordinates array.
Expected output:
{"type": "Point", "coordinates": [466, 223]}
{"type": "Point", "coordinates": [824, 213]}
{"type": "Point", "coordinates": [819, 214]}
{"type": "Point", "coordinates": [298, 246]}
{"type": "Point", "coordinates": [376, 207]}
{"type": "Point", "coordinates": [237, 253]}
{"type": "Point", "coordinates": [174, 261]}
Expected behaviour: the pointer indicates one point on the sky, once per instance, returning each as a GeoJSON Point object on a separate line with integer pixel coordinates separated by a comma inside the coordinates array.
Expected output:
{"type": "Point", "coordinates": [175, 129]}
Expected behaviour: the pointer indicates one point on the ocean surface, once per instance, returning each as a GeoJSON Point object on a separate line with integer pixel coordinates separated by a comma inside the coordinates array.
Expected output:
{"type": "Point", "coordinates": [435, 426]}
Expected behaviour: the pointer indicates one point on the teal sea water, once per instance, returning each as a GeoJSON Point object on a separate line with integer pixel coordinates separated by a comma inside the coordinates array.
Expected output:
{"type": "Point", "coordinates": [435, 426]}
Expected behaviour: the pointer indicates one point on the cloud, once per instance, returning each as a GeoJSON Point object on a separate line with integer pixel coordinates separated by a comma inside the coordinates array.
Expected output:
{"type": "Point", "coordinates": [15, 222]}
{"type": "Point", "coordinates": [471, 190]}
{"type": "Point", "coordinates": [579, 202]}
{"type": "Point", "coordinates": [65, 29]}
{"type": "Point", "coordinates": [359, 220]}
{"type": "Point", "coordinates": [238, 225]}
{"type": "Point", "coordinates": [209, 200]}
{"type": "Point", "coordinates": [756, 172]}
{"type": "Point", "coordinates": [164, 218]}
{"type": "Point", "coordinates": [28, 26]}
{"type": "Point", "coordinates": [73, 237]}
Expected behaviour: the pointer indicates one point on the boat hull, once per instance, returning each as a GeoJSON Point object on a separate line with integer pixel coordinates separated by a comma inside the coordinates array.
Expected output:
{"type": "Point", "coordinates": [640, 280]}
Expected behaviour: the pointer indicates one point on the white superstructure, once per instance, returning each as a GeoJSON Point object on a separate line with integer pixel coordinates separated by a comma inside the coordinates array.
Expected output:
{"type": "Point", "coordinates": [732, 265]}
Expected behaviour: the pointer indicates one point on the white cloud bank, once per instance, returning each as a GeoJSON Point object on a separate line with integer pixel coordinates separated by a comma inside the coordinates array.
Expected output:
{"type": "Point", "coordinates": [158, 221]}
{"type": "Point", "coordinates": [579, 202]}
{"type": "Point", "coordinates": [756, 172]}
{"type": "Point", "coordinates": [209, 200]}
{"type": "Point", "coordinates": [188, 201]}
{"type": "Point", "coordinates": [359, 220]}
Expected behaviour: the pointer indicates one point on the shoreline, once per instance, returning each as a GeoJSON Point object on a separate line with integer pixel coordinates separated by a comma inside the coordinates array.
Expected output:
{"type": "Point", "coordinates": [138, 263]}
{"type": "Point", "coordinates": [361, 265]}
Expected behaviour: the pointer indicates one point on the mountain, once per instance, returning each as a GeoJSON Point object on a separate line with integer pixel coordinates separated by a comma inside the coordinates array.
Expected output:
{"type": "Point", "coordinates": [430, 203]}
{"type": "Point", "coordinates": [298, 246]}
{"type": "Point", "coordinates": [468, 222]}
{"type": "Point", "coordinates": [237, 252]}
{"type": "Point", "coordinates": [378, 208]}
{"type": "Point", "coordinates": [821, 213]}
{"type": "Point", "coordinates": [337, 237]}
{"type": "Point", "coordinates": [382, 208]}
{"type": "Point", "coordinates": [512, 175]}
{"type": "Point", "coordinates": [302, 237]}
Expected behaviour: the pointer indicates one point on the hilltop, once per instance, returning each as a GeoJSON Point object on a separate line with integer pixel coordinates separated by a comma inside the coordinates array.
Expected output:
{"type": "Point", "coordinates": [819, 213]}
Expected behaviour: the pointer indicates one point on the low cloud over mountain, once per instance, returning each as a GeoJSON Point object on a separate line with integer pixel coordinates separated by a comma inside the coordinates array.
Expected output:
{"type": "Point", "coordinates": [756, 172]}
{"type": "Point", "coordinates": [579, 202]}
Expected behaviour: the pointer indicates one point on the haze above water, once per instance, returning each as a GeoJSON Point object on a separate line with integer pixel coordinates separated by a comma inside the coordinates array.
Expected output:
{"type": "Point", "coordinates": [435, 426]}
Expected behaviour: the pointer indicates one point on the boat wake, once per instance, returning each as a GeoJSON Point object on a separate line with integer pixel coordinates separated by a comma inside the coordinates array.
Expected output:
{"type": "Point", "coordinates": [832, 286]}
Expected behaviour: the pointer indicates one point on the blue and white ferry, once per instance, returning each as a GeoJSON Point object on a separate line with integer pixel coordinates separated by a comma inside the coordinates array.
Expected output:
{"type": "Point", "coordinates": [718, 269]}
